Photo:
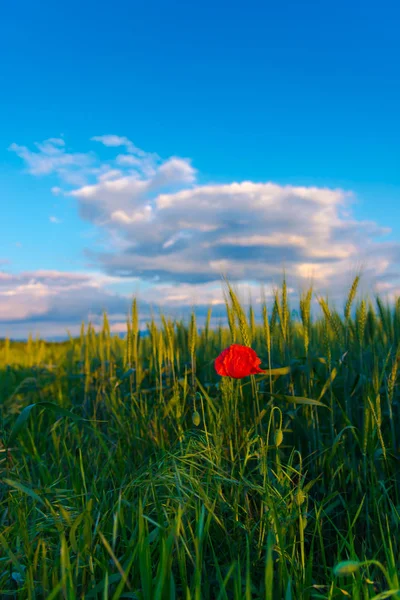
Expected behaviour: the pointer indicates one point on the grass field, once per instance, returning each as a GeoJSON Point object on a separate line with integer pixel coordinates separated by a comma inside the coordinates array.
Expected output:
{"type": "Point", "coordinates": [130, 469]}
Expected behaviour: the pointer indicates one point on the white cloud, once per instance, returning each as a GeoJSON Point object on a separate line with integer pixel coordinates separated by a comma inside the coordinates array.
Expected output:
{"type": "Point", "coordinates": [121, 217]}
{"type": "Point", "coordinates": [52, 158]}
{"type": "Point", "coordinates": [128, 198]}
{"type": "Point", "coordinates": [157, 223]}
{"type": "Point", "coordinates": [56, 141]}
{"type": "Point", "coordinates": [110, 174]}
{"type": "Point", "coordinates": [4, 276]}
{"type": "Point", "coordinates": [210, 223]}
{"type": "Point", "coordinates": [115, 141]}
{"type": "Point", "coordinates": [175, 171]}
{"type": "Point", "coordinates": [55, 220]}
{"type": "Point", "coordinates": [43, 296]}
{"type": "Point", "coordinates": [127, 160]}
{"type": "Point", "coordinates": [52, 302]}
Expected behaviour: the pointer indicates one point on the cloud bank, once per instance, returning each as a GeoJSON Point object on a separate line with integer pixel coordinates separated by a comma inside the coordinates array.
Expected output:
{"type": "Point", "coordinates": [161, 226]}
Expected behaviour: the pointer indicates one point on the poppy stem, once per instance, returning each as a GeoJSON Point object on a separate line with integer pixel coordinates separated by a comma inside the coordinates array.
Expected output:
{"type": "Point", "coordinates": [235, 393]}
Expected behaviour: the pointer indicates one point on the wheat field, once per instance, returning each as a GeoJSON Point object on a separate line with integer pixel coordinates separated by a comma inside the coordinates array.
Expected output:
{"type": "Point", "coordinates": [130, 469]}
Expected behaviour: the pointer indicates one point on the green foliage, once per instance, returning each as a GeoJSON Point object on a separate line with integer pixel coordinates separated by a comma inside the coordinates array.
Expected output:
{"type": "Point", "coordinates": [130, 469]}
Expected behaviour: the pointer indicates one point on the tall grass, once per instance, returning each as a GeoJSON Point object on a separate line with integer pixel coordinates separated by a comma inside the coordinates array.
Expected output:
{"type": "Point", "coordinates": [130, 469]}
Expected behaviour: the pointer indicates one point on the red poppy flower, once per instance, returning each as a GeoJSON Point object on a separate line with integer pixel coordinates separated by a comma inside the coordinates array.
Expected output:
{"type": "Point", "coordinates": [237, 361]}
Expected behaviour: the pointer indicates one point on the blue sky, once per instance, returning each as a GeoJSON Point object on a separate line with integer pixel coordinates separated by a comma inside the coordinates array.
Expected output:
{"type": "Point", "coordinates": [296, 94]}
